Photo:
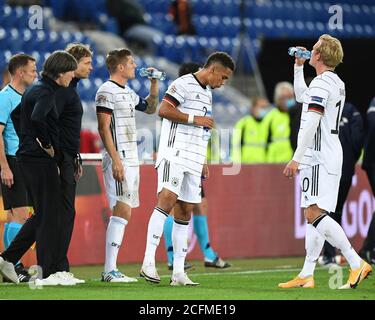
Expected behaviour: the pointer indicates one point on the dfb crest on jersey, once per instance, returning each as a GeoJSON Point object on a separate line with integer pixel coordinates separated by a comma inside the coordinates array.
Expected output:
{"type": "Point", "coordinates": [175, 182]}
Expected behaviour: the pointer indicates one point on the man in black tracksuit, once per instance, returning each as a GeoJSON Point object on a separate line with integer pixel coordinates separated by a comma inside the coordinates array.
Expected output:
{"type": "Point", "coordinates": [367, 251]}
{"type": "Point", "coordinates": [70, 111]}
{"type": "Point", "coordinates": [36, 122]}
{"type": "Point", "coordinates": [351, 136]}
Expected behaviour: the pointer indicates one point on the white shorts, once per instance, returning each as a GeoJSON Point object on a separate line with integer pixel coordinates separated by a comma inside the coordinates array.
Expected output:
{"type": "Point", "coordinates": [175, 178]}
{"type": "Point", "coordinates": [125, 191]}
{"type": "Point", "coordinates": [319, 187]}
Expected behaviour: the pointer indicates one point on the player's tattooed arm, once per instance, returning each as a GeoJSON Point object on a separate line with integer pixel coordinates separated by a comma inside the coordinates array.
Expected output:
{"type": "Point", "coordinates": [153, 98]}
{"type": "Point", "coordinates": [152, 103]}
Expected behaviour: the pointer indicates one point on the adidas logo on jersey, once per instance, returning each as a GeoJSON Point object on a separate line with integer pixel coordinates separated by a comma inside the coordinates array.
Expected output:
{"type": "Point", "coordinates": [197, 96]}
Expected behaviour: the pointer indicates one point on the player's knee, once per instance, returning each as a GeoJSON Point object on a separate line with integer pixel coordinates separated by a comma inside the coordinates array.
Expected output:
{"type": "Point", "coordinates": [122, 210]}
{"type": "Point", "coordinates": [311, 213]}
{"type": "Point", "coordinates": [184, 215]}
{"type": "Point", "coordinates": [166, 200]}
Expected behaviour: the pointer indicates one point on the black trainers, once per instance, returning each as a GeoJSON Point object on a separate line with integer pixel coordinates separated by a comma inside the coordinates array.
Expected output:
{"type": "Point", "coordinates": [22, 273]}
{"type": "Point", "coordinates": [217, 263]}
{"type": "Point", "coordinates": [187, 266]}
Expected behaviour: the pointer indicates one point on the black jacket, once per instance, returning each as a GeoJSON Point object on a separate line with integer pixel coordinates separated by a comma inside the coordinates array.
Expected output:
{"type": "Point", "coordinates": [70, 111]}
{"type": "Point", "coordinates": [352, 137]}
{"type": "Point", "coordinates": [36, 117]}
{"type": "Point", "coordinates": [369, 155]}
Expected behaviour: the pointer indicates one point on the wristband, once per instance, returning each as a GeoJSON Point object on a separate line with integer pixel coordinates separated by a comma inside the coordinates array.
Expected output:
{"type": "Point", "coordinates": [191, 119]}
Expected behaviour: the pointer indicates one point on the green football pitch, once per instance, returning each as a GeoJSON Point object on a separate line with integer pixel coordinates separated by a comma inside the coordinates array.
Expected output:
{"type": "Point", "coordinates": [247, 279]}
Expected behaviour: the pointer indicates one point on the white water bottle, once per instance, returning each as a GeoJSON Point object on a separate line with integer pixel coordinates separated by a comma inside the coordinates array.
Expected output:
{"type": "Point", "coordinates": [299, 53]}
{"type": "Point", "coordinates": [156, 74]}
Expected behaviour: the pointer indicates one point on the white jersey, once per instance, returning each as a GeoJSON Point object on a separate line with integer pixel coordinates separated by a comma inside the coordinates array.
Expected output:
{"type": "Point", "coordinates": [121, 102]}
{"type": "Point", "coordinates": [326, 94]}
{"type": "Point", "coordinates": [186, 144]}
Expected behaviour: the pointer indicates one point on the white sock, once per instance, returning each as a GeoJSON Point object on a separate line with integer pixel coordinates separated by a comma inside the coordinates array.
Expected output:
{"type": "Point", "coordinates": [314, 243]}
{"type": "Point", "coordinates": [335, 235]}
{"type": "Point", "coordinates": [115, 233]}
{"type": "Point", "coordinates": [180, 234]}
{"type": "Point", "coordinates": [154, 233]}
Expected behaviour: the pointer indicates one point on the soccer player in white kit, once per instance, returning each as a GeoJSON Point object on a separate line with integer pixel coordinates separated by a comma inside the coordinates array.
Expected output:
{"type": "Point", "coordinates": [319, 159]}
{"type": "Point", "coordinates": [115, 107]}
{"type": "Point", "coordinates": [186, 110]}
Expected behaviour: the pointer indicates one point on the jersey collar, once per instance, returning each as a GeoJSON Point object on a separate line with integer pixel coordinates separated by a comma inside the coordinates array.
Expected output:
{"type": "Point", "coordinates": [10, 86]}
{"type": "Point", "coordinates": [123, 87]}
{"type": "Point", "coordinates": [204, 87]}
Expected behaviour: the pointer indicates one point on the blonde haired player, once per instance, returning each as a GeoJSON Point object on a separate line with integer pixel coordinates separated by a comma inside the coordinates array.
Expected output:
{"type": "Point", "coordinates": [319, 159]}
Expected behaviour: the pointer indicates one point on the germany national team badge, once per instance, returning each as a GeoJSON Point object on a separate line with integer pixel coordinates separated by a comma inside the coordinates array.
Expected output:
{"type": "Point", "coordinates": [175, 182]}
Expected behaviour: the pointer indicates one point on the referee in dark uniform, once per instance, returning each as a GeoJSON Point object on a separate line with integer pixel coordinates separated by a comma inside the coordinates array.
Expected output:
{"type": "Point", "coordinates": [367, 251]}
{"type": "Point", "coordinates": [38, 156]}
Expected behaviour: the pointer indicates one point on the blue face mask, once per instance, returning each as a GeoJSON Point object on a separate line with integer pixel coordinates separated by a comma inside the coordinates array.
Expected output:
{"type": "Point", "coordinates": [290, 103]}
{"type": "Point", "coordinates": [262, 113]}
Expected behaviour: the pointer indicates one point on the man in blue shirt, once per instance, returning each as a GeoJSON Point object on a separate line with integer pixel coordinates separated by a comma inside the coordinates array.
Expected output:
{"type": "Point", "coordinates": [22, 69]}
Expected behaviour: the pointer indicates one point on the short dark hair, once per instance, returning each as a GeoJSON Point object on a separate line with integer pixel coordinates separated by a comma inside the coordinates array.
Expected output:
{"type": "Point", "coordinates": [79, 50]}
{"type": "Point", "coordinates": [220, 57]}
{"type": "Point", "coordinates": [115, 57]}
{"type": "Point", "coordinates": [188, 67]}
{"type": "Point", "coordinates": [58, 62]}
{"type": "Point", "coordinates": [17, 61]}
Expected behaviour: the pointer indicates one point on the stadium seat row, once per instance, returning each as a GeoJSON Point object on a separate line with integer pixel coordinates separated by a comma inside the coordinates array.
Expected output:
{"type": "Point", "coordinates": [355, 11]}
{"type": "Point", "coordinates": [19, 17]}
{"type": "Point", "coordinates": [39, 40]}
{"type": "Point", "coordinates": [190, 48]}
{"type": "Point", "coordinates": [304, 29]}
{"type": "Point", "coordinates": [216, 26]}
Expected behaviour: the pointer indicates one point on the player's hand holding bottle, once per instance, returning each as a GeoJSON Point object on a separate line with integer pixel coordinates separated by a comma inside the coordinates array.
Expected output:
{"type": "Point", "coordinates": [207, 122]}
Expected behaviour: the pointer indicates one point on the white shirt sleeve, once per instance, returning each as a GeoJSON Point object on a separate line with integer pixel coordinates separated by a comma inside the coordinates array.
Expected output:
{"type": "Point", "coordinates": [318, 94]}
{"type": "Point", "coordinates": [307, 134]}
{"type": "Point", "coordinates": [104, 100]}
{"type": "Point", "coordinates": [299, 83]}
{"type": "Point", "coordinates": [176, 93]}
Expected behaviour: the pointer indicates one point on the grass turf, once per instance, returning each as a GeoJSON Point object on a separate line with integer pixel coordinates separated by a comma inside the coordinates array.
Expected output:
{"type": "Point", "coordinates": [247, 279]}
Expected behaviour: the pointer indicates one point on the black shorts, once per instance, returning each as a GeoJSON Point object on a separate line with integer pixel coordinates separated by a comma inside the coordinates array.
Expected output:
{"type": "Point", "coordinates": [16, 196]}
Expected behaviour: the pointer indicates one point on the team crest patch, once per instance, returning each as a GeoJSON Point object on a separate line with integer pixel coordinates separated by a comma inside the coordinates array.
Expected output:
{"type": "Point", "coordinates": [316, 99]}
{"type": "Point", "coordinates": [175, 182]}
{"type": "Point", "coordinates": [101, 99]}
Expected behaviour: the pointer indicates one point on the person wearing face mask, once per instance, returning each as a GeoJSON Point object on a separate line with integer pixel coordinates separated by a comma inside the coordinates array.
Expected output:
{"type": "Point", "coordinates": [250, 134]}
{"type": "Point", "coordinates": [279, 148]}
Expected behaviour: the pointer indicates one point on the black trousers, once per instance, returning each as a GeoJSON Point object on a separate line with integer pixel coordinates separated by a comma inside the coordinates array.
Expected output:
{"type": "Point", "coordinates": [369, 243]}
{"type": "Point", "coordinates": [68, 187]}
{"type": "Point", "coordinates": [27, 235]}
{"type": "Point", "coordinates": [345, 184]}
{"type": "Point", "coordinates": [43, 185]}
